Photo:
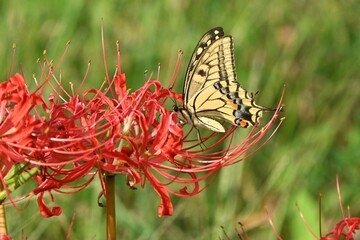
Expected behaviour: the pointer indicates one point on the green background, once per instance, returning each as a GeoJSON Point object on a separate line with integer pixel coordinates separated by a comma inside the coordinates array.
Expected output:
{"type": "Point", "coordinates": [311, 46]}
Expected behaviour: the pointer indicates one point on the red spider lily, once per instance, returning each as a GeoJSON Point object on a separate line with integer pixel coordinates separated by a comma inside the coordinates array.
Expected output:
{"type": "Point", "coordinates": [17, 123]}
{"type": "Point", "coordinates": [4, 237]}
{"type": "Point", "coordinates": [115, 132]}
{"type": "Point", "coordinates": [345, 229]}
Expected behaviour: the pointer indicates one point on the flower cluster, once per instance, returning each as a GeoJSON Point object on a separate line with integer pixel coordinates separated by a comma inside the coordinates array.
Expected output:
{"type": "Point", "coordinates": [344, 229]}
{"type": "Point", "coordinates": [63, 143]}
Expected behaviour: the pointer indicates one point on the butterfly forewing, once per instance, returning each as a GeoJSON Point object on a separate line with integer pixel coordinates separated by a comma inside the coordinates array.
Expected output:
{"type": "Point", "coordinates": [201, 48]}
{"type": "Point", "coordinates": [219, 62]}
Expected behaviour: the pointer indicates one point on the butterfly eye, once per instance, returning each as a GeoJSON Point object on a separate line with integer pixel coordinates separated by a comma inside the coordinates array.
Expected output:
{"type": "Point", "coordinates": [181, 115]}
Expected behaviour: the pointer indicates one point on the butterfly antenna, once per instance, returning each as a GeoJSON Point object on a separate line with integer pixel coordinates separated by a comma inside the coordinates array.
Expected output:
{"type": "Point", "coordinates": [175, 106]}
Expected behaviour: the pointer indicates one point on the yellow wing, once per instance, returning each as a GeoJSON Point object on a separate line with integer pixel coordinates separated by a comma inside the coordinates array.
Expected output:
{"type": "Point", "coordinates": [215, 52]}
{"type": "Point", "coordinates": [226, 101]}
{"type": "Point", "coordinates": [211, 91]}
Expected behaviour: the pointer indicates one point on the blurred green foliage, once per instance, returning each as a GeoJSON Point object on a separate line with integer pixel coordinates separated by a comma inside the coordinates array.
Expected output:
{"type": "Point", "coordinates": [311, 46]}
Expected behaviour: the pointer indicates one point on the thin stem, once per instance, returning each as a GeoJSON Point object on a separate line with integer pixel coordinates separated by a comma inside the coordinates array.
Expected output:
{"type": "Point", "coordinates": [3, 227]}
{"type": "Point", "coordinates": [110, 207]}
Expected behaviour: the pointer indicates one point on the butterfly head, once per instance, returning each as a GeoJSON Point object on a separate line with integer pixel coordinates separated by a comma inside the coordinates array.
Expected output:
{"type": "Point", "coordinates": [182, 115]}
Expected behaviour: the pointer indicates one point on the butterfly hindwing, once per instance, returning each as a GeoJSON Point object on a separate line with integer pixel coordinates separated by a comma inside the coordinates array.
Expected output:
{"type": "Point", "coordinates": [226, 101]}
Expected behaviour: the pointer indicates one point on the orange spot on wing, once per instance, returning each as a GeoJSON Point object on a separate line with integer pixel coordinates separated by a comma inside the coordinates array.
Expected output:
{"type": "Point", "coordinates": [244, 123]}
{"type": "Point", "coordinates": [231, 102]}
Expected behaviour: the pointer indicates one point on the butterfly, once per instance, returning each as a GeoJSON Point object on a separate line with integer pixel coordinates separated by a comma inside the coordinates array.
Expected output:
{"type": "Point", "coordinates": [211, 91]}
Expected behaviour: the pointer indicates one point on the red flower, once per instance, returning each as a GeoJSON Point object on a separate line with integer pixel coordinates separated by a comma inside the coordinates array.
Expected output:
{"type": "Point", "coordinates": [115, 132]}
{"type": "Point", "coordinates": [4, 237]}
{"type": "Point", "coordinates": [18, 110]}
{"type": "Point", "coordinates": [345, 229]}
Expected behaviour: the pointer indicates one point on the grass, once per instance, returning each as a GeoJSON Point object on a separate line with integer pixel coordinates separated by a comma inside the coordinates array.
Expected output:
{"type": "Point", "coordinates": [312, 47]}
